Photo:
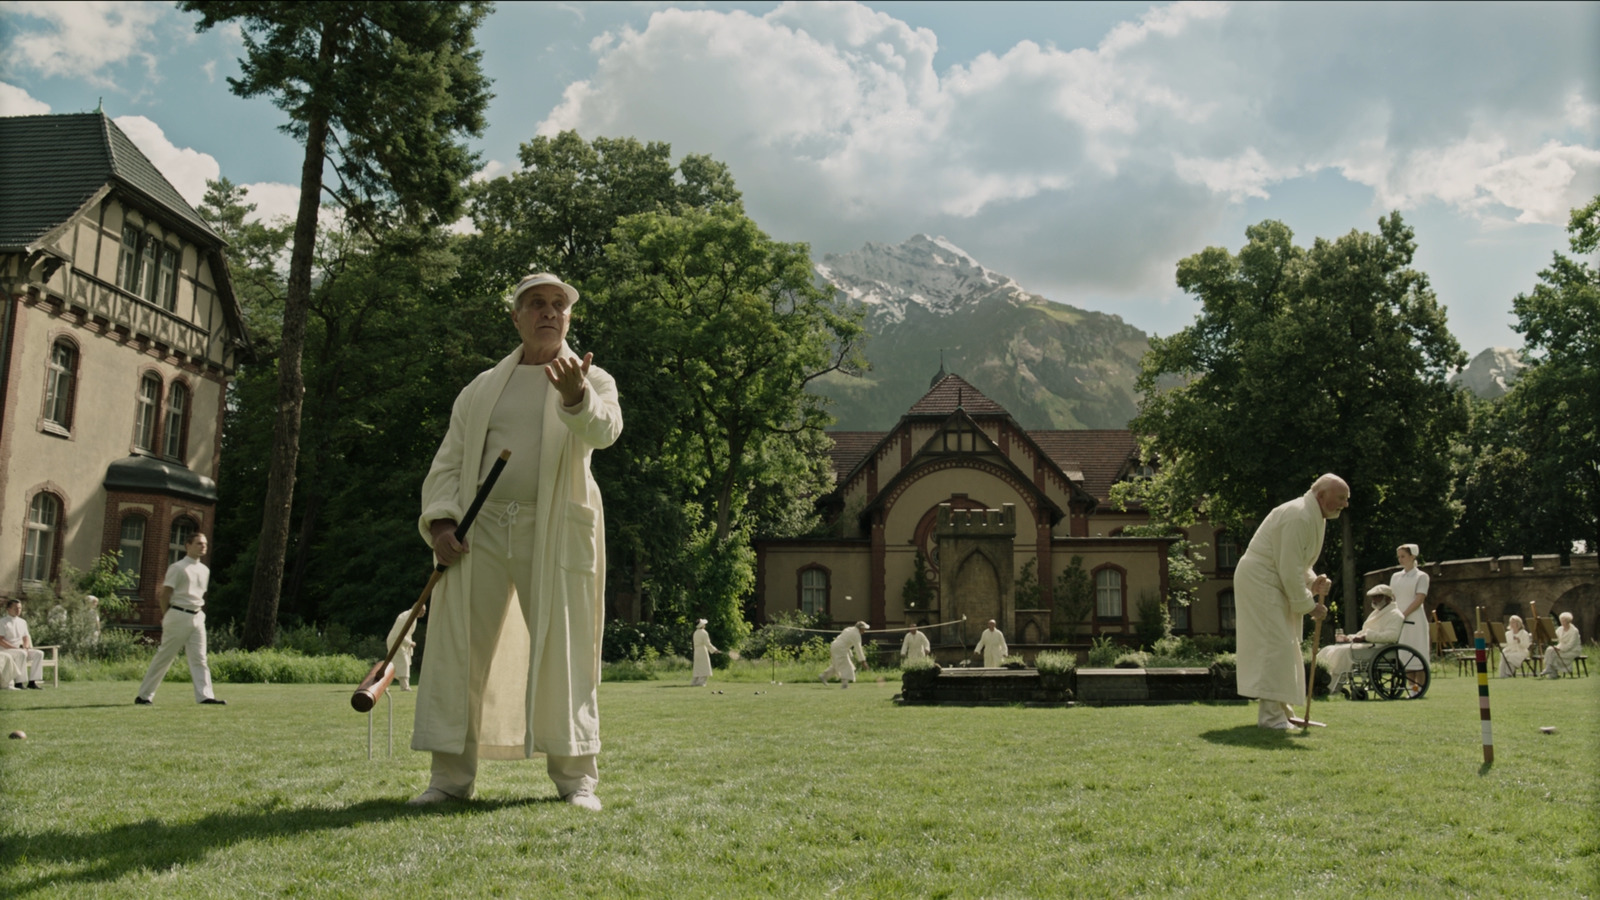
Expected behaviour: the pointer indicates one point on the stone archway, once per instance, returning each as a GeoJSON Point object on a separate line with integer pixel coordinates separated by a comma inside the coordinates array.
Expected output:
{"type": "Point", "coordinates": [1583, 602]}
{"type": "Point", "coordinates": [976, 593]}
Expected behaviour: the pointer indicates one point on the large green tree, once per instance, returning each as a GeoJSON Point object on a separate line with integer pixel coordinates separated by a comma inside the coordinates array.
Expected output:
{"type": "Point", "coordinates": [387, 91]}
{"type": "Point", "coordinates": [1530, 469]}
{"type": "Point", "coordinates": [1331, 358]}
{"type": "Point", "coordinates": [715, 330]}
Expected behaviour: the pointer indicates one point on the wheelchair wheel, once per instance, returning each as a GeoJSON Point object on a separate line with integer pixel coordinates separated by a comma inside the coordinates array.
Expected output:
{"type": "Point", "coordinates": [1389, 673]}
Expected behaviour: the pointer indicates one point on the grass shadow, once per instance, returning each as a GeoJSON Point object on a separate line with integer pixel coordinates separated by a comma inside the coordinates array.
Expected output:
{"type": "Point", "coordinates": [1252, 736]}
{"type": "Point", "coordinates": [102, 857]}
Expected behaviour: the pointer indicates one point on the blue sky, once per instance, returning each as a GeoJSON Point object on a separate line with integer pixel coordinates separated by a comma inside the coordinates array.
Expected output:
{"type": "Point", "coordinates": [1081, 149]}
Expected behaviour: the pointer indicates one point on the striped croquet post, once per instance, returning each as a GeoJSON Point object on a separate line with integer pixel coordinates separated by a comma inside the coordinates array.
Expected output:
{"type": "Point", "coordinates": [1481, 648]}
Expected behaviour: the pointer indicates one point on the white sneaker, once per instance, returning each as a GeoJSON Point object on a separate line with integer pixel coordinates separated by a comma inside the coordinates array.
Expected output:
{"type": "Point", "coordinates": [583, 797]}
{"type": "Point", "coordinates": [431, 796]}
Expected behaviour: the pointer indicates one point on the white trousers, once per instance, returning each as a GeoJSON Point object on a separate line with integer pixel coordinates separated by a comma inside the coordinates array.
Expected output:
{"type": "Point", "coordinates": [30, 661]}
{"type": "Point", "coordinates": [180, 631]}
{"type": "Point", "coordinates": [1554, 664]}
{"type": "Point", "coordinates": [843, 666]}
{"type": "Point", "coordinates": [502, 544]}
{"type": "Point", "coordinates": [457, 773]}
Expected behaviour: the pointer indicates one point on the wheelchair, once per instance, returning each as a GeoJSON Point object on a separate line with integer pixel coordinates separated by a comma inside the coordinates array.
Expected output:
{"type": "Point", "coordinates": [1379, 671]}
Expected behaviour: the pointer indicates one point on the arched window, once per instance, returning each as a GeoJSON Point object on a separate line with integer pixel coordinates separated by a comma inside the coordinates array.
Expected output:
{"type": "Point", "coordinates": [60, 382]}
{"type": "Point", "coordinates": [38, 558]}
{"type": "Point", "coordinates": [1225, 616]}
{"type": "Point", "coordinates": [144, 424]}
{"type": "Point", "coordinates": [1227, 551]}
{"type": "Point", "coordinates": [1108, 594]}
{"type": "Point", "coordinates": [183, 529]}
{"type": "Point", "coordinates": [130, 557]}
{"type": "Point", "coordinates": [813, 590]}
{"type": "Point", "coordinates": [176, 434]}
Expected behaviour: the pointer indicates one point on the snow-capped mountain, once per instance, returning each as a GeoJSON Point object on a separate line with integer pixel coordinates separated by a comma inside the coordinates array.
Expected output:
{"type": "Point", "coordinates": [1491, 372]}
{"type": "Point", "coordinates": [928, 301]}
{"type": "Point", "coordinates": [928, 272]}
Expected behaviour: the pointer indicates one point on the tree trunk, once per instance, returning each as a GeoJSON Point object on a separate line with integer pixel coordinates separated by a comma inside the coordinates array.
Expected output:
{"type": "Point", "coordinates": [1347, 573]}
{"type": "Point", "coordinates": [261, 619]}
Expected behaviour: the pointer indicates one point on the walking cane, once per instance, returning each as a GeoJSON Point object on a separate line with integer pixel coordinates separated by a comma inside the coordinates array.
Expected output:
{"type": "Point", "coordinates": [377, 680]}
{"type": "Point", "coordinates": [1311, 679]}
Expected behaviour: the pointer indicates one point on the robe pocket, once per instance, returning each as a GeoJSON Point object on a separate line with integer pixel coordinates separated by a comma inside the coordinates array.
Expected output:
{"type": "Point", "coordinates": [579, 544]}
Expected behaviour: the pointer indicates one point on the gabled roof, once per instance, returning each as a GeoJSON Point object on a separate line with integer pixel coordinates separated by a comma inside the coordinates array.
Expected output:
{"type": "Point", "coordinates": [950, 393]}
{"type": "Point", "coordinates": [50, 166]}
{"type": "Point", "coordinates": [1101, 455]}
{"type": "Point", "coordinates": [851, 447]}
{"type": "Point", "coordinates": [987, 449]}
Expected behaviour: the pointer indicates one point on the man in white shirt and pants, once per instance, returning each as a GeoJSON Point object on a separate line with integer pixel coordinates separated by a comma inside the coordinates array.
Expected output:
{"type": "Point", "coordinates": [16, 643]}
{"type": "Point", "coordinates": [183, 625]}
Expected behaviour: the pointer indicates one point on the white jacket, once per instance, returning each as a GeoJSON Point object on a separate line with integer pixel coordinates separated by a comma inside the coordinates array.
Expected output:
{"type": "Point", "coordinates": [568, 608]}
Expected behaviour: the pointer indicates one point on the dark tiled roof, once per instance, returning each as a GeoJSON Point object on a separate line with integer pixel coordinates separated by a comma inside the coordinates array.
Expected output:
{"type": "Point", "coordinates": [950, 392]}
{"type": "Point", "coordinates": [1100, 454]}
{"type": "Point", "coordinates": [851, 447]}
{"type": "Point", "coordinates": [51, 165]}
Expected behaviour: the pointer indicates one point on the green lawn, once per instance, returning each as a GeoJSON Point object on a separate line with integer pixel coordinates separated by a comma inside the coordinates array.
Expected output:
{"type": "Point", "coordinates": [807, 792]}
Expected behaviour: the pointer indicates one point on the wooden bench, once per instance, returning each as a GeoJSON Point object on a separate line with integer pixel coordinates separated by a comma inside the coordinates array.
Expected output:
{"type": "Point", "coordinates": [51, 661]}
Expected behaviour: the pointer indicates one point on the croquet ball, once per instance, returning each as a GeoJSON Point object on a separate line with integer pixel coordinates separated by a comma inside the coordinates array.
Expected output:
{"type": "Point", "coordinates": [18, 736]}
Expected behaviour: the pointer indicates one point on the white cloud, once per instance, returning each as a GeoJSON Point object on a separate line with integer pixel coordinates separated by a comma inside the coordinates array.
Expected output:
{"type": "Point", "coordinates": [1096, 167]}
{"type": "Point", "coordinates": [276, 202]}
{"type": "Point", "coordinates": [1245, 175]}
{"type": "Point", "coordinates": [15, 101]}
{"type": "Point", "coordinates": [83, 39]}
{"type": "Point", "coordinates": [187, 169]}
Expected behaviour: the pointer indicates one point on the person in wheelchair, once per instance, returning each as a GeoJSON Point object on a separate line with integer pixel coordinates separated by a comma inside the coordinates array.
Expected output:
{"type": "Point", "coordinates": [1382, 627]}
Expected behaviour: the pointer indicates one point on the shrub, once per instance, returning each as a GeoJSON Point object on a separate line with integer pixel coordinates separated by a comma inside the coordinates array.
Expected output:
{"type": "Point", "coordinates": [788, 629]}
{"type": "Point", "coordinates": [1103, 652]}
{"type": "Point", "coordinates": [919, 674]}
{"type": "Point", "coordinates": [651, 667]}
{"type": "Point", "coordinates": [282, 667]}
{"type": "Point", "coordinates": [1224, 662]}
{"type": "Point", "coordinates": [1133, 659]}
{"type": "Point", "coordinates": [1055, 663]}
{"type": "Point", "coordinates": [638, 640]}
{"type": "Point", "coordinates": [1013, 662]}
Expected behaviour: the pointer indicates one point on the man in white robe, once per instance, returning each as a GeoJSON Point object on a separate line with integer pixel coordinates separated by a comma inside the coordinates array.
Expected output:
{"type": "Point", "coordinates": [1519, 643]}
{"type": "Point", "coordinates": [1274, 588]}
{"type": "Point", "coordinates": [846, 645]}
{"type": "Point", "coordinates": [702, 655]}
{"type": "Point", "coordinates": [914, 647]}
{"type": "Point", "coordinates": [1558, 657]}
{"type": "Point", "coordinates": [513, 662]}
{"type": "Point", "coordinates": [1382, 627]}
{"type": "Point", "coordinates": [402, 657]}
{"type": "Point", "coordinates": [991, 646]}
{"type": "Point", "coordinates": [16, 643]}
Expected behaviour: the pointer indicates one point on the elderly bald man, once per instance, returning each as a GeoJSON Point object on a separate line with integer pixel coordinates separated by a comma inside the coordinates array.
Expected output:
{"type": "Point", "coordinates": [1274, 587]}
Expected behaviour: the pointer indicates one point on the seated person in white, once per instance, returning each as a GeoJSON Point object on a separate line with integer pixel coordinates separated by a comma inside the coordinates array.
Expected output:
{"type": "Point", "coordinates": [1558, 657]}
{"type": "Point", "coordinates": [17, 642]}
{"type": "Point", "coordinates": [1515, 651]}
{"type": "Point", "coordinates": [1382, 627]}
